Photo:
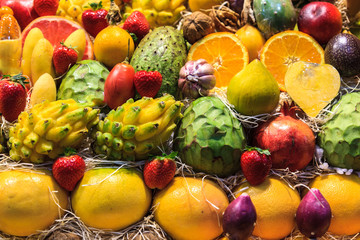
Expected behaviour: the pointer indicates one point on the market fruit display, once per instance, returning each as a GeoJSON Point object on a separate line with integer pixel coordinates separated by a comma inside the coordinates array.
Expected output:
{"type": "Point", "coordinates": [210, 138]}
{"type": "Point", "coordinates": [29, 201]}
{"type": "Point", "coordinates": [179, 119]}
{"type": "Point", "coordinates": [191, 208]}
{"type": "Point", "coordinates": [98, 205]}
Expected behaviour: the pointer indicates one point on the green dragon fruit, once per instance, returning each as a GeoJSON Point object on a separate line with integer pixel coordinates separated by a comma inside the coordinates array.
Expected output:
{"type": "Point", "coordinates": [84, 82]}
{"type": "Point", "coordinates": [162, 50]}
{"type": "Point", "coordinates": [210, 138]}
{"type": "Point", "coordinates": [340, 136]}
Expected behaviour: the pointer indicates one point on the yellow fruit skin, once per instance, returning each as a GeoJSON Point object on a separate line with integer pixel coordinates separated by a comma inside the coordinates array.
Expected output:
{"type": "Point", "coordinates": [10, 55]}
{"type": "Point", "coordinates": [189, 215]}
{"type": "Point", "coordinates": [27, 201]}
{"type": "Point", "coordinates": [77, 40]}
{"type": "Point", "coordinates": [41, 60]}
{"type": "Point", "coordinates": [112, 45]}
{"type": "Point", "coordinates": [196, 5]}
{"type": "Point", "coordinates": [343, 194]}
{"type": "Point", "coordinates": [44, 89]}
{"type": "Point", "coordinates": [110, 198]}
{"type": "Point", "coordinates": [32, 38]}
{"type": "Point", "coordinates": [276, 204]}
{"type": "Point", "coordinates": [253, 40]}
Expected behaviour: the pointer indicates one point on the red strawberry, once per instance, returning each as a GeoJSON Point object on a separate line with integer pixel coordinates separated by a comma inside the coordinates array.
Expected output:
{"type": "Point", "coordinates": [159, 172]}
{"type": "Point", "coordinates": [147, 84]}
{"type": "Point", "coordinates": [137, 24]}
{"type": "Point", "coordinates": [68, 171]}
{"type": "Point", "coordinates": [94, 19]}
{"type": "Point", "coordinates": [255, 164]}
{"type": "Point", "coordinates": [63, 58]}
{"type": "Point", "coordinates": [13, 96]}
{"type": "Point", "coordinates": [46, 7]}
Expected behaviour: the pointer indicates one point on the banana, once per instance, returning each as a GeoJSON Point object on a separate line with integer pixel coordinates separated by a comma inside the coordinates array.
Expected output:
{"type": "Point", "coordinates": [56, 134]}
{"type": "Point", "coordinates": [26, 152]}
{"type": "Point", "coordinates": [72, 117]}
{"type": "Point", "coordinates": [106, 126]}
{"type": "Point", "coordinates": [91, 118]}
{"type": "Point", "coordinates": [129, 146]}
{"type": "Point", "coordinates": [77, 40]}
{"type": "Point", "coordinates": [170, 114]}
{"type": "Point", "coordinates": [128, 131]}
{"type": "Point", "coordinates": [108, 139]}
{"type": "Point", "coordinates": [154, 111]}
{"type": "Point", "coordinates": [74, 138]}
{"type": "Point", "coordinates": [117, 144]}
{"type": "Point", "coordinates": [165, 135]}
{"type": "Point", "coordinates": [144, 147]}
{"type": "Point", "coordinates": [146, 131]}
{"type": "Point", "coordinates": [15, 143]}
{"type": "Point", "coordinates": [44, 146]}
{"type": "Point", "coordinates": [31, 39]}
{"type": "Point", "coordinates": [31, 140]}
{"type": "Point", "coordinates": [99, 138]}
{"type": "Point", "coordinates": [132, 115]}
{"type": "Point", "coordinates": [36, 158]}
{"type": "Point", "coordinates": [22, 133]}
{"type": "Point", "coordinates": [56, 152]}
{"type": "Point", "coordinates": [43, 125]}
{"type": "Point", "coordinates": [41, 60]}
{"type": "Point", "coordinates": [116, 128]}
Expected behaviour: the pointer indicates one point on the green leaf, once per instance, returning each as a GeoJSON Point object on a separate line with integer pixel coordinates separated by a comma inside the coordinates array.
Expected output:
{"type": "Point", "coordinates": [261, 151]}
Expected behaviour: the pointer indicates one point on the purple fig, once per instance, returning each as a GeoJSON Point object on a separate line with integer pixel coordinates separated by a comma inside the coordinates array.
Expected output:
{"type": "Point", "coordinates": [239, 218]}
{"type": "Point", "coordinates": [313, 215]}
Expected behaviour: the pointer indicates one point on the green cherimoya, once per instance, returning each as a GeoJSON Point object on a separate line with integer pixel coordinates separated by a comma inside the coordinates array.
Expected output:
{"type": "Point", "coordinates": [210, 138]}
{"type": "Point", "coordinates": [340, 136]}
{"type": "Point", "coordinates": [162, 50]}
{"type": "Point", "coordinates": [84, 82]}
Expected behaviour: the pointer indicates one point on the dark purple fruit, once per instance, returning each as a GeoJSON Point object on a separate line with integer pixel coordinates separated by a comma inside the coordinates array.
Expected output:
{"type": "Point", "coordinates": [343, 52]}
{"type": "Point", "coordinates": [237, 5]}
{"type": "Point", "coordinates": [313, 215]}
{"type": "Point", "coordinates": [239, 218]}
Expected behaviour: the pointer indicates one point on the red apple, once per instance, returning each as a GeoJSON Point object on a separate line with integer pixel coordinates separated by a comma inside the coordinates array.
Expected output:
{"type": "Point", "coordinates": [24, 11]}
{"type": "Point", "coordinates": [321, 20]}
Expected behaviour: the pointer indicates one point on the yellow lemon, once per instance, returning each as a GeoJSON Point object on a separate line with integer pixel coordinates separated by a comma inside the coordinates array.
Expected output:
{"type": "Point", "coordinates": [276, 204]}
{"type": "Point", "coordinates": [110, 198]}
{"type": "Point", "coordinates": [253, 40]}
{"type": "Point", "coordinates": [189, 208]}
{"type": "Point", "coordinates": [343, 194]}
{"type": "Point", "coordinates": [112, 45]}
{"type": "Point", "coordinates": [29, 201]}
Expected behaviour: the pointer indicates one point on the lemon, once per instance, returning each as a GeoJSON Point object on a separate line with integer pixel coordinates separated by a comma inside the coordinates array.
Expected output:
{"type": "Point", "coordinates": [343, 194]}
{"type": "Point", "coordinates": [276, 204]}
{"type": "Point", "coordinates": [29, 201]}
{"type": "Point", "coordinates": [189, 208]}
{"type": "Point", "coordinates": [110, 198]}
{"type": "Point", "coordinates": [112, 45]}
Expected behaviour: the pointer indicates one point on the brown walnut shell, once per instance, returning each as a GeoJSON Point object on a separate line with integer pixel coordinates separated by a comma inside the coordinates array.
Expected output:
{"type": "Point", "coordinates": [226, 20]}
{"type": "Point", "coordinates": [196, 26]}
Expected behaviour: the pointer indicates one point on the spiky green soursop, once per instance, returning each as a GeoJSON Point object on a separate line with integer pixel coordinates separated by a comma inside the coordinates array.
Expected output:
{"type": "Point", "coordinates": [162, 50]}
{"type": "Point", "coordinates": [84, 82]}
{"type": "Point", "coordinates": [210, 138]}
{"type": "Point", "coordinates": [340, 136]}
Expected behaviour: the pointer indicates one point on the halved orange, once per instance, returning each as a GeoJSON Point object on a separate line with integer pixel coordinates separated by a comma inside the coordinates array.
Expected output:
{"type": "Point", "coordinates": [224, 51]}
{"type": "Point", "coordinates": [56, 29]}
{"type": "Point", "coordinates": [285, 48]}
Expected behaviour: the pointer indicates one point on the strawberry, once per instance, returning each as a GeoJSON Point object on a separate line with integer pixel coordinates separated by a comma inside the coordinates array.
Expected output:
{"type": "Point", "coordinates": [159, 172]}
{"type": "Point", "coordinates": [255, 164]}
{"type": "Point", "coordinates": [137, 24]}
{"type": "Point", "coordinates": [46, 7]}
{"type": "Point", "coordinates": [63, 58]}
{"type": "Point", "coordinates": [13, 96]}
{"type": "Point", "coordinates": [94, 19]}
{"type": "Point", "coordinates": [147, 84]}
{"type": "Point", "coordinates": [68, 170]}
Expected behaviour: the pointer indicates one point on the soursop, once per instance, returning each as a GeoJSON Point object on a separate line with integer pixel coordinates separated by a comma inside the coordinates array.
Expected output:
{"type": "Point", "coordinates": [210, 138]}
{"type": "Point", "coordinates": [162, 50]}
{"type": "Point", "coordinates": [84, 82]}
{"type": "Point", "coordinates": [340, 136]}
{"type": "Point", "coordinates": [136, 129]}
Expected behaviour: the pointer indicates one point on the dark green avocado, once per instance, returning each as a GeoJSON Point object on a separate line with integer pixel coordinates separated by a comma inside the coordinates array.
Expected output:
{"type": "Point", "coordinates": [343, 52]}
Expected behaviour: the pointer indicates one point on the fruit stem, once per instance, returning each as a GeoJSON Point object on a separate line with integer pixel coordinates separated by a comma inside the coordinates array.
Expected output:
{"type": "Point", "coordinates": [114, 15]}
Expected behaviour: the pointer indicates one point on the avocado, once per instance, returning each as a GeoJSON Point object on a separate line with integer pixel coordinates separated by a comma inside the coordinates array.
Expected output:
{"type": "Point", "coordinates": [343, 52]}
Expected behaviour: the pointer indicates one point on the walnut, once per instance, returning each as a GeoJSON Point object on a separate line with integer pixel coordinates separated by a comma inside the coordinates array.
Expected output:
{"type": "Point", "coordinates": [196, 26]}
{"type": "Point", "coordinates": [225, 19]}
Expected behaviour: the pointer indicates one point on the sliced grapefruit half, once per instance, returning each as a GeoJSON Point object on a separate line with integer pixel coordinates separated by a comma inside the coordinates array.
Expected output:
{"type": "Point", "coordinates": [56, 29]}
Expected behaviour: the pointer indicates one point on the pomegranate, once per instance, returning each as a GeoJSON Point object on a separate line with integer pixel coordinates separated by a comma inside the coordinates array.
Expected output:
{"type": "Point", "coordinates": [290, 141]}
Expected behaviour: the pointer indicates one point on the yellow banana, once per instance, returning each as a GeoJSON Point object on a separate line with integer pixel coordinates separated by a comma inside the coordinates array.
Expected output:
{"type": "Point", "coordinates": [170, 114]}
{"type": "Point", "coordinates": [144, 147]}
{"type": "Point", "coordinates": [165, 135]}
{"type": "Point", "coordinates": [41, 60]}
{"type": "Point", "coordinates": [132, 114]}
{"type": "Point", "coordinates": [56, 134]}
{"type": "Point", "coordinates": [26, 152]}
{"type": "Point", "coordinates": [77, 40]}
{"type": "Point", "coordinates": [44, 146]}
{"type": "Point", "coordinates": [43, 125]}
{"type": "Point", "coordinates": [146, 131]}
{"type": "Point", "coordinates": [31, 140]}
{"type": "Point", "coordinates": [128, 131]}
{"type": "Point", "coordinates": [31, 39]}
{"type": "Point", "coordinates": [36, 158]}
{"type": "Point", "coordinates": [154, 111]}
{"type": "Point", "coordinates": [74, 138]}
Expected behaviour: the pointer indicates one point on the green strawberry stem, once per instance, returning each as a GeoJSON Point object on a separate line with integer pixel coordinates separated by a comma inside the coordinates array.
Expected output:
{"type": "Point", "coordinates": [261, 151]}
{"type": "Point", "coordinates": [18, 78]}
{"type": "Point", "coordinates": [171, 156]}
{"type": "Point", "coordinates": [69, 151]}
{"type": "Point", "coordinates": [95, 6]}
{"type": "Point", "coordinates": [69, 47]}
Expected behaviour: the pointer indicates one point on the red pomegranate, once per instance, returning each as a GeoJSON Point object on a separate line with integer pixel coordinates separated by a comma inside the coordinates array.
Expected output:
{"type": "Point", "coordinates": [290, 141]}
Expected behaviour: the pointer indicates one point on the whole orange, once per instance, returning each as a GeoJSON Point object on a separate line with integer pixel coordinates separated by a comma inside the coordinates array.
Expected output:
{"type": "Point", "coordinates": [253, 40]}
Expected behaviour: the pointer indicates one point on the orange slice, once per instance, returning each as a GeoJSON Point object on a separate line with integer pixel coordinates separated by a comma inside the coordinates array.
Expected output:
{"type": "Point", "coordinates": [56, 29]}
{"type": "Point", "coordinates": [224, 51]}
{"type": "Point", "coordinates": [285, 48]}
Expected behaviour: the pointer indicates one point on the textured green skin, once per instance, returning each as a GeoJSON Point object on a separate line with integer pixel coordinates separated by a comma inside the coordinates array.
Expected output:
{"type": "Point", "coordinates": [84, 82]}
{"type": "Point", "coordinates": [340, 136]}
{"type": "Point", "coordinates": [163, 50]}
{"type": "Point", "coordinates": [273, 16]}
{"type": "Point", "coordinates": [209, 138]}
